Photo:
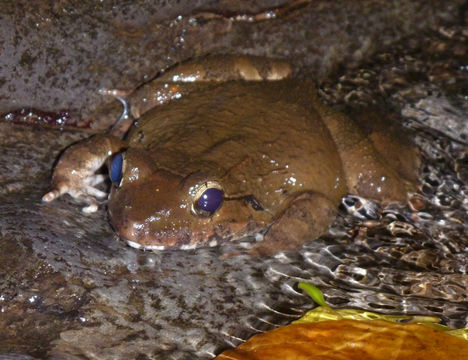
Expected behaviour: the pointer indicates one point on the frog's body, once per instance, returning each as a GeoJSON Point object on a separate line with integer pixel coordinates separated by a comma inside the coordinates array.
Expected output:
{"type": "Point", "coordinates": [279, 157]}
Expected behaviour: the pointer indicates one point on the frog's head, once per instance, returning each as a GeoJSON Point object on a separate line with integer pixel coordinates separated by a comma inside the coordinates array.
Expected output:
{"type": "Point", "coordinates": [154, 209]}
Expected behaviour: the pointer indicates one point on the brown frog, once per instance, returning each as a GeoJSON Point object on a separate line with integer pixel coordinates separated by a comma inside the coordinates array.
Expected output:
{"type": "Point", "coordinates": [230, 146]}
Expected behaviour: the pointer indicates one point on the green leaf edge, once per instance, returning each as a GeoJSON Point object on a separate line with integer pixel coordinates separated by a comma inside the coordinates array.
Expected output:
{"type": "Point", "coordinates": [325, 313]}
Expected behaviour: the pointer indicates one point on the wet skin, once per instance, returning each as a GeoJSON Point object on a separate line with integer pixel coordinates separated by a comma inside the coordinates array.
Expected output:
{"type": "Point", "coordinates": [277, 159]}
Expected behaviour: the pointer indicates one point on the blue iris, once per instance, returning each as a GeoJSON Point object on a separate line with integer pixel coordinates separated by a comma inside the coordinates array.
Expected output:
{"type": "Point", "coordinates": [210, 200]}
{"type": "Point", "coordinates": [115, 171]}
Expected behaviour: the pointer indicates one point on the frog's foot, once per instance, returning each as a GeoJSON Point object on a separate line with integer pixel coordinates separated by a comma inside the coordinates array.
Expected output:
{"type": "Point", "coordinates": [67, 187]}
{"type": "Point", "coordinates": [360, 207]}
{"type": "Point", "coordinates": [81, 189]}
{"type": "Point", "coordinates": [308, 216]}
{"type": "Point", "coordinates": [75, 175]}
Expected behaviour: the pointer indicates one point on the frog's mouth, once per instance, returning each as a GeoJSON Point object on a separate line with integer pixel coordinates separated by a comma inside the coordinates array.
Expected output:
{"type": "Point", "coordinates": [140, 236]}
{"type": "Point", "coordinates": [144, 236]}
{"type": "Point", "coordinates": [176, 242]}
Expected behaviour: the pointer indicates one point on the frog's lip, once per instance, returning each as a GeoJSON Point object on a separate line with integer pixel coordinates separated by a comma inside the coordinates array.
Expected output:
{"type": "Point", "coordinates": [179, 239]}
{"type": "Point", "coordinates": [183, 239]}
{"type": "Point", "coordinates": [139, 246]}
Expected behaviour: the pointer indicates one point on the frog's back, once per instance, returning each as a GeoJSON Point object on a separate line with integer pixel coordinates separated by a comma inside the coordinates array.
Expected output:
{"type": "Point", "coordinates": [248, 136]}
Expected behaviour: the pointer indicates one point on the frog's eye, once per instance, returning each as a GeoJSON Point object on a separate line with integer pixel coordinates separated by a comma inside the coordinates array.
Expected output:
{"type": "Point", "coordinates": [115, 169]}
{"type": "Point", "coordinates": [209, 199]}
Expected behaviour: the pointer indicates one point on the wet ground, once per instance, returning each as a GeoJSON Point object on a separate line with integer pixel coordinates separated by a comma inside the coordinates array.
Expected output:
{"type": "Point", "coordinates": [70, 290]}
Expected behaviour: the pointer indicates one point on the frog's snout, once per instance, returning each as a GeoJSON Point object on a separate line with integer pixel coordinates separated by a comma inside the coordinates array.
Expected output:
{"type": "Point", "coordinates": [156, 230]}
{"type": "Point", "coordinates": [155, 214]}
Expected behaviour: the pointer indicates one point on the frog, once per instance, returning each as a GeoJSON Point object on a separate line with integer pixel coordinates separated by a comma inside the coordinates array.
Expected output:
{"type": "Point", "coordinates": [218, 149]}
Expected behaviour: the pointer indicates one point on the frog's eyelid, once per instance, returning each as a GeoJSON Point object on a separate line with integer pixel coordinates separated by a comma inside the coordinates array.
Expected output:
{"type": "Point", "coordinates": [200, 188]}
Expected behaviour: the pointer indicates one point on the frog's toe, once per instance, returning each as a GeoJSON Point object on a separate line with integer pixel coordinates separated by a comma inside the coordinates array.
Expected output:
{"type": "Point", "coordinates": [88, 196]}
{"type": "Point", "coordinates": [91, 208]}
{"type": "Point", "coordinates": [51, 195]}
{"type": "Point", "coordinates": [87, 186]}
{"type": "Point", "coordinates": [58, 190]}
{"type": "Point", "coordinates": [93, 180]}
{"type": "Point", "coordinates": [92, 191]}
{"type": "Point", "coordinates": [360, 207]}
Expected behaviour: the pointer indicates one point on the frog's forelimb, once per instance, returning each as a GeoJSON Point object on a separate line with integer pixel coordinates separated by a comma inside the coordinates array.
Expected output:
{"type": "Point", "coordinates": [75, 172]}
